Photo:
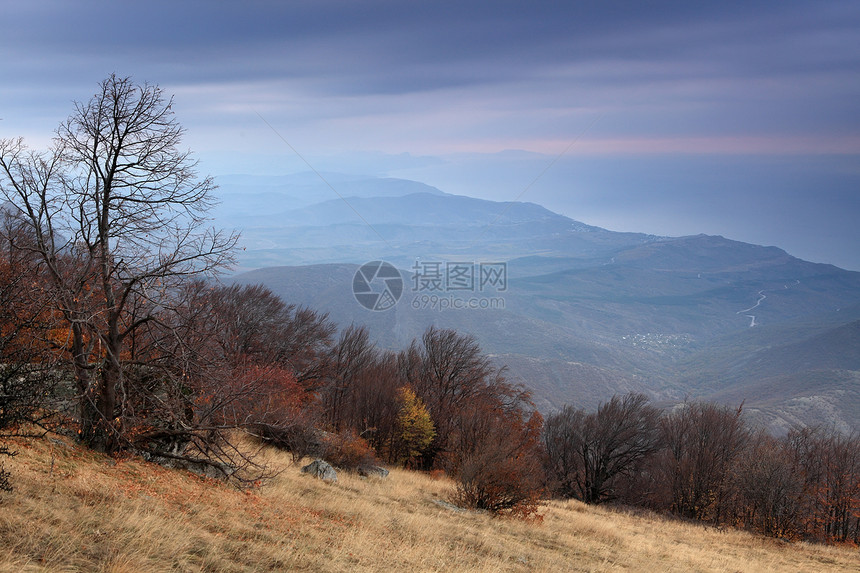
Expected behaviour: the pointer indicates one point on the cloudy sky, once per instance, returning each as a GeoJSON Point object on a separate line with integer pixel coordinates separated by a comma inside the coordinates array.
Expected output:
{"type": "Point", "coordinates": [732, 118]}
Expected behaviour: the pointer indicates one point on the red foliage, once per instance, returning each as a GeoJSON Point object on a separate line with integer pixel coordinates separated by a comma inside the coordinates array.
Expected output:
{"type": "Point", "coordinates": [502, 470]}
{"type": "Point", "coordinates": [348, 451]}
{"type": "Point", "coordinates": [266, 393]}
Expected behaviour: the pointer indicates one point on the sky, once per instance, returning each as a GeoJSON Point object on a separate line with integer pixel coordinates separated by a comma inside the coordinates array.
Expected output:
{"type": "Point", "coordinates": [734, 118]}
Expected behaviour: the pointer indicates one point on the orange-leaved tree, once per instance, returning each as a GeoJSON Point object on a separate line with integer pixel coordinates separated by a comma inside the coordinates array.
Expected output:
{"type": "Point", "coordinates": [27, 371]}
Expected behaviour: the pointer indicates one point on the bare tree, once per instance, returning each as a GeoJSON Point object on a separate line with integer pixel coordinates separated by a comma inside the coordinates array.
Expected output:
{"type": "Point", "coordinates": [588, 453]}
{"type": "Point", "coordinates": [447, 371]}
{"type": "Point", "coordinates": [769, 483]}
{"type": "Point", "coordinates": [252, 324]}
{"type": "Point", "coordinates": [701, 445]}
{"type": "Point", "coordinates": [117, 215]}
{"type": "Point", "coordinates": [371, 406]}
{"type": "Point", "coordinates": [562, 437]}
{"type": "Point", "coordinates": [349, 362]}
{"type": "Point", "coordinates": [829, 464]}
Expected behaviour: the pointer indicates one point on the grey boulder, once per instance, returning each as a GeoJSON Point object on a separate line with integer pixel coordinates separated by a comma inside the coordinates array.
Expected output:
{"type": "Point", "coordinates": [321, 470]}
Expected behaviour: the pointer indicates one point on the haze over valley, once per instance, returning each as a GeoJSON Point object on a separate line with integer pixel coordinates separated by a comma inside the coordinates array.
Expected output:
{"type": "Point", "coordinates": [587, 312]}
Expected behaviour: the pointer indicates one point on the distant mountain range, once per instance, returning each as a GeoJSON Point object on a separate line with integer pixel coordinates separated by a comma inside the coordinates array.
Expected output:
{"type": "Point", "coordinates": [583, 312]}
{"type": "Point", "coordinates": [301, 219]}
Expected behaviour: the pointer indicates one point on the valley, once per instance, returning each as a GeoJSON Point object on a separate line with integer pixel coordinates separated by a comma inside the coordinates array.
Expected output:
{"type": "Point", "coordinates": [586, 312]}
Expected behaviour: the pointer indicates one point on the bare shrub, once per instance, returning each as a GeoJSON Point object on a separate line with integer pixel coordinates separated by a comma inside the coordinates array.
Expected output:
{"type": "Point", "coordinates": [590, 456]}
{"type": "Point", "coordinates": [701, 445]}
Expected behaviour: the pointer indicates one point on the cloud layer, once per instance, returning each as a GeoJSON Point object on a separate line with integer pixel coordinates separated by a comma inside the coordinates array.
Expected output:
{"type": "Point", "coordinates": [670, 83]}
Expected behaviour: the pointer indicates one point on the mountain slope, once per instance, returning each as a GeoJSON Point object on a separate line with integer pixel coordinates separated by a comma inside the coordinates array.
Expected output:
{"type": "Point", "coordinates": [586, 312]}
{"type": "Point", "coordinates": [577, 340]}
{"type": "Point", "coordinates": [75, 510]}
{"type": "Point", "coordinates": [422, 209]}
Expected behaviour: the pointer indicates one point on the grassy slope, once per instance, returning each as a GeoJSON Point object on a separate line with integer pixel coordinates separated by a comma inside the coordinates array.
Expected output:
{"type": "Point", "coordinates": [73, 510]}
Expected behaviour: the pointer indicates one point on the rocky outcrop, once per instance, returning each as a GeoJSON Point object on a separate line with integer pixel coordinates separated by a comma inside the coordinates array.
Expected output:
{"type": "Point", "coordinates": [372, 471]}
{"type": "Point", "coordinates": [321, 470]}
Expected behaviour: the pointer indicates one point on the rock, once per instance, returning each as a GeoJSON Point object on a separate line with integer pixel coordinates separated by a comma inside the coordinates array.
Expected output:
{"type": "Point", "coordinates": [449, 506]}
{"type": "Point", "coordinates": [205, 468]}
{"type": "Point", "coordinates": [372, 471]}
{"type": "Point", "coordinates": [58, 442]}
{"type": "Point", "coordinates": [321, 470]}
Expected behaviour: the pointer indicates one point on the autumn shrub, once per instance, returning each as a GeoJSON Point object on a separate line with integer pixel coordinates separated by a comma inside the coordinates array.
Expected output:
{"type": "Point", "coordinates": [28, 379]}
{"type": "Point", "coordinates": [491, 481]}
{"type": "Point", "coordinates": [498, 468]}
{"type": "Point", "coordinates": [348, 451]}
{"type": "Point", "coordinates": [298, 436]}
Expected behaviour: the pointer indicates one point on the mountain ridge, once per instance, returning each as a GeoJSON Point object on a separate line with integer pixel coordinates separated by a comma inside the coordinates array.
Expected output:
{"type": "Point", "coordinates": [587, 311]}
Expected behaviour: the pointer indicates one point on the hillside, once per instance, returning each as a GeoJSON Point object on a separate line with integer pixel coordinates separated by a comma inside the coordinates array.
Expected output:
{"type": "Point", "coordinates": [586, 312]}
{"type": "Point", "coordinates": [74, 510]}
{"type": "Point", "coordinates": [581, 335]}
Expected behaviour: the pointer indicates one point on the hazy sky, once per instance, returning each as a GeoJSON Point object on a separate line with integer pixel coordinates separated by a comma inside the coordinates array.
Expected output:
{"type": "Point", "coordinates": [732, 118]}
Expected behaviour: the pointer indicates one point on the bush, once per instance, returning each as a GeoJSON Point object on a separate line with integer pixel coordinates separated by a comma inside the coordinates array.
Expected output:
{"type": "Point", "coordinates": [502, 472]}
{"type": "Point", "coordinates": [348, 451]}
{"type": "Point", "coordinates": [503, 486]}
{"type": "Point", "coordinates": [298, 437]}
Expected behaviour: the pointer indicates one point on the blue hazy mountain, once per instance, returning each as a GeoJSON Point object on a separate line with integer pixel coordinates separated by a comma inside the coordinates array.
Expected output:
{"type": "Point", "coordinates": [302, 219]}
{"type": "Point", "coordinates": [587, 312]}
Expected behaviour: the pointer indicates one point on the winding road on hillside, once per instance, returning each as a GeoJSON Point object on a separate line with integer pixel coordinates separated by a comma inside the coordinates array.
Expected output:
{"type": "Point", "coordinates": [761, 297]}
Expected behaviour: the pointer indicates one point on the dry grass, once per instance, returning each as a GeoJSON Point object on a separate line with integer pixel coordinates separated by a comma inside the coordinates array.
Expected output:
{"type": "Point", "coordinates": [77, 511]}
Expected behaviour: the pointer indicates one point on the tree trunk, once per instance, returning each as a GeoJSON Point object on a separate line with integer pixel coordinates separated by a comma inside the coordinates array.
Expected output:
{"type": "Point", "coordinates": [88, 411]}
{"type": "Point", "coordinates": [106, 437]}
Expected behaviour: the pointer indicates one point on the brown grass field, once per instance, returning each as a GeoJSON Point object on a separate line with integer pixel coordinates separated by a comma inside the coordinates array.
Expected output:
{"type": "Point", "coordinates": [74, 510]}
